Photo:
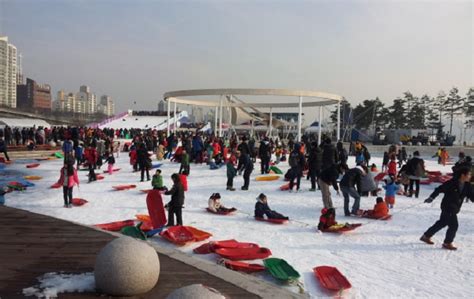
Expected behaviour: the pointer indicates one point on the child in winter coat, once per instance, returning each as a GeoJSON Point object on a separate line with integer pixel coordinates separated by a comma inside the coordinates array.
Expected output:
{"type": "Point", "coordinates": [392, 167]}
{"type": "Point", "coordinates": [133, 158]}
{"type": "Point", "coordinates": [380, 210]}
{"type": "Point", "coordinates": [160, 152]}
{"type": "Point", "coordinates": [327, 218]}
{"type": "Point", "coordinates": [78, 153]}
{"type": "Point", "coordinates": [110, 160]}
{"type": "Point", "coordinates": [215, 206]}
{"type": "Point", "coordinates": [278, 152]}
{"type": "Point", "coordinates": [391, 189]}
{"type": "Point", "coordinates": [444, 156]}
{"type": "Point", "coordinates": [157, 181]}
{"type": "Point", "coordinates": [262, 209]}
{"type": "Point", "coordinates": [231, 173]}
{"type": "Point", "coordinates": [68, 178]}
{"type": "Point", "coordinates": [184, 168]}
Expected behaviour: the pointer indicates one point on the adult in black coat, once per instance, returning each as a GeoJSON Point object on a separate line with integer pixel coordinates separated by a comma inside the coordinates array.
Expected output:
{"type": "Point", "coordinates": [314, 164]}
{"type": "Point", "coordinates": [455, 191]}
{"type": "Point", "coordinates": [329, 154]}
{"type": "Point", "coordinates": [264, 152]}
{"type": "Point", "coordinates": [415, 169]}
{"type": "Point", "coordinates": [244, 150]}
{"type": "Point", "coordinates": [248, 168]}
{"type": "Point", "coordinates": [143, 161]}
{"type": "Point", "coordinates": [297, 162]}
{"type": "Point", "coordinates": [349, 182]}
{"type": "Point", "coordinates": [175, 206]}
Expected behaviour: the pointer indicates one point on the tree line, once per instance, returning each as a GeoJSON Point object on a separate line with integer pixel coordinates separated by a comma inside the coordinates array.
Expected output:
{"type": "Point", "coordinates": [409, 111]}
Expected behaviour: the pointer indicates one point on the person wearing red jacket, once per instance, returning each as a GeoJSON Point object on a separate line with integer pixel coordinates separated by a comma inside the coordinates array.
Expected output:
{"type": "Point", "coordinates": [327, 219]}
{"type": "Point", "coordinates": [392, 167]}
{"type": "Point", "coordinates": [380, 210]}
{"type": "Point", "coordinates": [91, 156]}
{"type": "Point", "coordinates": [68, 178]}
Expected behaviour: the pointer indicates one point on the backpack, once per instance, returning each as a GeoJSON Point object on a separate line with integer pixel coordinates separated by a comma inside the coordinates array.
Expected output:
{"type": "Point", "coordinates": [293, 160]}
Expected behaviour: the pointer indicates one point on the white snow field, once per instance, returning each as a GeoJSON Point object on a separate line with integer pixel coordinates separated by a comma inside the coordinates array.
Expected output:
{"type": "Point", "coordinates": [382, 259]}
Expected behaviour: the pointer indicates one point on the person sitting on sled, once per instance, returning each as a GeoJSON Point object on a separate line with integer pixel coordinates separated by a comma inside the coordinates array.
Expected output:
{"type": "Point", "coordinates": [327, 218]}
{"type": "Point", "coordinates": [215, 205]}
{"type": "Point", "coordinates": [262, 208]}
{"type": "Point", "coordinates": [380, 210]}
{"type": "Point", "coordinates": [157, 181]}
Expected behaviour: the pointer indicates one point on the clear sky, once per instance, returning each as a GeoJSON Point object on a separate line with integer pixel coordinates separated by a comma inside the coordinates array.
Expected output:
{"type": "Point", "coordinates": [137, 50]}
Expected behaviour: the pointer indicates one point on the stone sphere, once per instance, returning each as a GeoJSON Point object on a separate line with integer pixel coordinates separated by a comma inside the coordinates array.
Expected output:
{"type": "Point", "coordinates": [52, 143]}
{"type": "Point", "coordinates": [409, 143]}
{"type": "Point", "coordinates": [195, 291]}
{"type": "Point", "coordinates": [126, 267]}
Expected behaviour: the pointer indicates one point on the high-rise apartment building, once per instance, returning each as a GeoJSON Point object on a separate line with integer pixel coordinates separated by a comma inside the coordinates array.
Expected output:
{"type": "Point", "coordinates": [8, 73]}
{"type": "Point", "coordinates": [106, 105]}
{"type": "Point", "coordinates": [83, 102]}
{"type": "Point", "coordinates": [90, 100]}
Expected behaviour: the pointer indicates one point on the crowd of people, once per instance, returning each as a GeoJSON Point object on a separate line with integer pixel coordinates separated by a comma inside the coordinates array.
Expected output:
{"type": "Point", "coordinates": [324, 165]}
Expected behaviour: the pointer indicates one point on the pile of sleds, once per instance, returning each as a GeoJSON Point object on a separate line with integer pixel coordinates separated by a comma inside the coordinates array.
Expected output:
{"type": "Point", "coordinates": [239, 256]}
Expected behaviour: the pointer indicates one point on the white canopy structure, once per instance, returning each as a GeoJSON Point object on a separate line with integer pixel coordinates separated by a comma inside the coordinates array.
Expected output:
{"type": "Point", "coordinates": [23, 122]}
{"type": "Point", "coordinates": [305, 99]}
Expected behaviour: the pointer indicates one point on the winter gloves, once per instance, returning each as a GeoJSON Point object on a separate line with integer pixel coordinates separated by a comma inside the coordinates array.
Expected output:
{"type": "Point", "coordinates": [429, 199]}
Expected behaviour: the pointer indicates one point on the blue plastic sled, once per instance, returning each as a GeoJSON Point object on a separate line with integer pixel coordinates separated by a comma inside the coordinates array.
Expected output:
{"type": "Point", "coordinates": [156, 165]}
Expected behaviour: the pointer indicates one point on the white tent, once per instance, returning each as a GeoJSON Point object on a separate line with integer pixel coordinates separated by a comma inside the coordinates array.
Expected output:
{"type": "Point", "coordinates": [23, 122]}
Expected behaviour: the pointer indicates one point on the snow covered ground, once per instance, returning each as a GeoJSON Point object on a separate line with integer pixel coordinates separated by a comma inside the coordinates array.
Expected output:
{"type": "Point", "coordinates": [382, 259]}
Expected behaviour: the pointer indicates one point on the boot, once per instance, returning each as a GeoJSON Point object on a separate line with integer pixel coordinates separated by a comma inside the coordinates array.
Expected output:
{"type": "Point", "coordinates": [427, 240]}
{"type": "Point", "coordinates": [449, 246]}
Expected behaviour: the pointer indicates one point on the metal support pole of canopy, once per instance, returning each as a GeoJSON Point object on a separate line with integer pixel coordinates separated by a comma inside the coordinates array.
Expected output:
{"type": "Point", "coordinates": [300, 111]}
{"type": "Point", "coordinates": [319, 124]}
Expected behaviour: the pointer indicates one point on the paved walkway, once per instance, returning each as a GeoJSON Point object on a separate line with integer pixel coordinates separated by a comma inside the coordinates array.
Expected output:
{"type": "Point", "coordinates": [33, 244]}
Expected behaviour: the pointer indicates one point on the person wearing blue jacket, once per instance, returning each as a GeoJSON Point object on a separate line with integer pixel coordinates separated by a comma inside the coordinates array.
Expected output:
{"type": "Point", "coordinates": [78, 151]}
{"type": "Point", "coordinates": [391, 188]}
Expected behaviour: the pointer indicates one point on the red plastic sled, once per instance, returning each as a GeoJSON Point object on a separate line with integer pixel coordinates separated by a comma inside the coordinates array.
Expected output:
{"type": "Point", "coordinates": [244, 253]}
{"type": "Point", "coordinates": [425, 182]}
{"type": "Point", "coordinates": [154, 203]}
{"type": "Point", "coordinates": [34, 165]}
{"type": "Point", "coordinates": [244, 267]}
{"type": "Point", "coordinates": [232, 210]}
{"type": "Point", "coordinates": [271, 220]}
{"type": "Point", "coordinates": [79, 202]}
{"type": "Point", "coordinates": [180, 235]}
{"type": "Point", "coordinates": [285, 187]}
{"type": "Point", "coordinates": [124, 187]}
{"type": "Point", "coordinates": [213, 245]}
{"type": "Point", "coordinates": [380, 176]}
{"type": "Point", "coordinates": [435, 173]}
{"type": "Point", "coordinates": [115, 226]}
{"type": "Point", "coordinates": [343, 229]}
{"type": "Point", "coordinates": [113, 170]}
{"type": "Point", "coordinates": [331, 279]}
{"type": "Point", "coordinates": [184, 181]}
{"type": "Point", "coordinates": [56, 185]}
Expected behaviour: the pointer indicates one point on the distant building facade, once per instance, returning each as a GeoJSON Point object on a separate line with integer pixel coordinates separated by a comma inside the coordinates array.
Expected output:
{"type": "Point", "coordinates": [162, 107]}
{"type": "Point", "coordinates": [106, 105]}
{"type": "Point", "coordinates": [8, 73]}
{"type": "Point", "coordinates": [34, 96]}
{"type": "Point", "coordinates": [83, 102]}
